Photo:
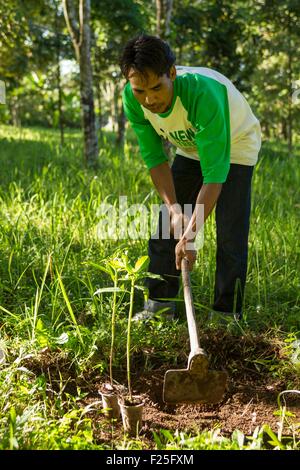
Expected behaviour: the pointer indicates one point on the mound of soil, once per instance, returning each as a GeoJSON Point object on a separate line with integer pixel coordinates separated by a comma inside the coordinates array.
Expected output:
{"type": "Point", "coordinates": [250, 399]}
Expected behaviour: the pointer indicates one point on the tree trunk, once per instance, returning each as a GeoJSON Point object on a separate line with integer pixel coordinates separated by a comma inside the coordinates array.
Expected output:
{"type": "Point", "coordinates": [290, 87]}
{"type": "Point", "coordinates": [163, 17]}
{"type": "Point", "coordinates": [169, 8]}
{"type": "Point", "coordinates": [284, 131]}
{"type": "Point", "coordinates": [60, 108]}
{"type": "Point", "coordinates": [121, 128]}
{"type": "Point", "coordinates": [81, 37]}
{"type": "Point", "coordinates": [266, 129]}
{"type": "Point", "coordinates": [14, 107]}
{"type": "Point", "coordinates": [98, 92]}
{"type": "Point", "coordinates": [99, 100]}
{"type": "Point", "coordinates": [86, 90]}
{"type": "Point", "coordinates": [58, 81]}
{"type": "Point", "coordinates": [159, 13]}
{"type": "Point", "coordinates": [113, 115]}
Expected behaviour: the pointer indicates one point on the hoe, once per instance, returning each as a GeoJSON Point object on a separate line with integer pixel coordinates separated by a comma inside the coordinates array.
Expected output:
{"type": "Point", "coordinates": [196, 384]}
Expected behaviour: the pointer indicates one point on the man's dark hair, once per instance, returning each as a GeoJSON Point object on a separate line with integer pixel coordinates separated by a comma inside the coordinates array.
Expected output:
{"type": "Point", "coordinates": [147, 52]}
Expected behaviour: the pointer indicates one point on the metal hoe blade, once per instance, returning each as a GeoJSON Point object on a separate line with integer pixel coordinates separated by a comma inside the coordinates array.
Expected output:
{"type": "Point", "coordinates": [196, 384]}
{"type": "Point", "coordinates": [183, 386]}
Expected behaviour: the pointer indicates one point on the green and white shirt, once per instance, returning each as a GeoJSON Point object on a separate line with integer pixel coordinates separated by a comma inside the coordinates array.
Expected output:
{"type": "Point", "coordinates": [209, 120]}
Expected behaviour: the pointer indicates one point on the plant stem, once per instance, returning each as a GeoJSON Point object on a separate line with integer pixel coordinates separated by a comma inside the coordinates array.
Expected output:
{"type": "Point", "coordinates": [113, 321]}
{"type": "Point", "coordinates": [73, 318]}
{"type": "Point", "coordinates": [129, 336]}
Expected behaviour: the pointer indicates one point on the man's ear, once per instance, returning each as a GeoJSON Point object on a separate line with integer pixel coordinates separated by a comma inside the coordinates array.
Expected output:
{"type": "Point", "coordinates": [173, 73]}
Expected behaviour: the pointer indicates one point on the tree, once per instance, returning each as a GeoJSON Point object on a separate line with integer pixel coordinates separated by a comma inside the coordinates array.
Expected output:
{"type": "Point", "coordinates": [58, 74]}
{"type": "Point", "coordinates": [32, 44]}
{"type": "Point", "coordinates": [285, 43]}
{"type": "Point", "coordinates": [278, 69]}
{"type": "Point", "coordinates": [80, 33]}
{"type": "Point", "coordinates": [112, 28]}
{"type": "Point", "coordinates": [51, 44]}
{"type": "Point", "coordinates": [163, 17]}
{"type": "Point", "coordinates": [14, 51]}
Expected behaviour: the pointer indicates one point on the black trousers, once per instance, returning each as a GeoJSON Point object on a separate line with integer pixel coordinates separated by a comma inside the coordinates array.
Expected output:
{"type": "Point", "coordinates": [232, 225]}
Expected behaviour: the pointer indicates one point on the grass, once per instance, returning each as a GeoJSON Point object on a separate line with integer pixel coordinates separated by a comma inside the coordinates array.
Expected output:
{"type": "Point", "coordinates": [48, 237]}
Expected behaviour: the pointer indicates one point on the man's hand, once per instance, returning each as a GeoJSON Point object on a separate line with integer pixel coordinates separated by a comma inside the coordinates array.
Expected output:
{"type": "Point", "coordinates": [178, 221]}
{"type": "Point", "coordinates": [185, 249]}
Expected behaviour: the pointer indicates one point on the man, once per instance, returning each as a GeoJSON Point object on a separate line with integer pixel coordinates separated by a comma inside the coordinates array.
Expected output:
{"type": "Point", "coordinates": [218, 139]}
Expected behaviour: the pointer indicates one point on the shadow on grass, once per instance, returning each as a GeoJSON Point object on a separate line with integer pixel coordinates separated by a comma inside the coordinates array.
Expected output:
{"type": "Point", "coordinates": [22, 160]}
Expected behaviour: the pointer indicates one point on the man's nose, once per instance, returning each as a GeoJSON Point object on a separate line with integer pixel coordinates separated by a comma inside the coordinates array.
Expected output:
{"type": "Point", "coordinates": [149, 100]}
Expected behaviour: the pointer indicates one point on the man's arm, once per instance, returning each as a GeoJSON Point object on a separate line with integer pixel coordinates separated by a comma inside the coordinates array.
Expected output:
{"type": "Point", "coordinates": [208, 110]}
{"type": "Point", "coordinates": [149, 141]}
{"type": "Point", "coordinates": [163, 181]}
{"type": "Point", "coordinates": [208, 196]}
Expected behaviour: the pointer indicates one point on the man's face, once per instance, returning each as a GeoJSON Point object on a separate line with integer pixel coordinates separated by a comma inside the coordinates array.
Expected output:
{"type": "Point", "coordinates": [153, 92]}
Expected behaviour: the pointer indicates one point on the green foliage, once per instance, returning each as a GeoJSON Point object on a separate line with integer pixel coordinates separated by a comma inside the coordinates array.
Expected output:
{"type": "Point", "coordinates": [254, 43]}
{"type": "Point", "coordinates": [13, 50]}
{"type": "Point", "coordinates": [133, 273]}
{"type": "Point", "coordinates": [49, 205]}
{"type": "Point", "coordinates": [278, 71]}
{"type": "Point", "coordinates": [113, 267]}
{"type": "Point", "coordinates": [262, 438]}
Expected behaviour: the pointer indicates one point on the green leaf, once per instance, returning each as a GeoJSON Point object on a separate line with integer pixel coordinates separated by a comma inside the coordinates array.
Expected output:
{"type": "Point", "coordinates": [117, 263]}
{"type": "Point", "coordinates": [69, 307]}
{"type": "Point", "coordinates": [105, 269]}
{"type": "Point", "coordinates": [274, 440]}
{"type": "Point", "coordinates": [141, 262]}
{"type": "Point", "coordinates": [12, 415]}
{"type": "Point", "coordinates": [142, 288]}
{"type": "Point", "coordinates": [157, 440]}
{"type": "Point", "coordinates": [108, 289]}
{"type": "Point", "coordinates": [239, 437]}
{"type": "Point", "coordinates": [40, 326]}
{"type": "Point", "coordinates": [41, 333]}
{"type": "Point", "coordinates": [167, 435]}
{"type": "Point", "coordinates": [9, 313]}
{"type": "Point", "coordinates": [153, 276]}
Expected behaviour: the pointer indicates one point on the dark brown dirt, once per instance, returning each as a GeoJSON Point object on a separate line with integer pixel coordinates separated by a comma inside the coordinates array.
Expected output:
{"type": "Point", "coordinates": [258, 371]}
{"type": "Point", "coordinates": [246, 405]}
{"type": "Point", "coordinates": [250, 399]}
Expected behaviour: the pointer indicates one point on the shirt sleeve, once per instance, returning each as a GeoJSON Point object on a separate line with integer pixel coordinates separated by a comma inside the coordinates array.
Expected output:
{"type": "Point", "coordinates": [149, 141]}
{"type": "Point", "coordinates": [209, 114]}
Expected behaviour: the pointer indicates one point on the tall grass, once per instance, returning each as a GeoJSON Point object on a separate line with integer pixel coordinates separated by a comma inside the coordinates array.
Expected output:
{"type": "Point", "coordinates": [48, 236]}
